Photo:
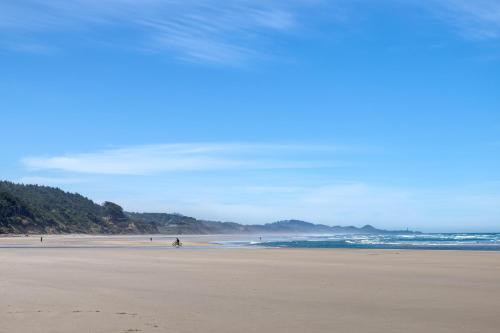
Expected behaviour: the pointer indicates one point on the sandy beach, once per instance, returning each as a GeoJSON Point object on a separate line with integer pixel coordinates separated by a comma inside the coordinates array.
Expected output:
{"type": "Point", "coordinates": [114, 287]}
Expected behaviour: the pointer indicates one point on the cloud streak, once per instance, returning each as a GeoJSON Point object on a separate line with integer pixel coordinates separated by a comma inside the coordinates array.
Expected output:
{"type": "Point", "coordinates": [51, 181]}
{"type": "Point", "coordinates": [227, 32]}
{"type": "Point", "coordinates": [476, 19]}
{"type": "Point", "coordinates": [161, 158]}
{"type": "Point", "coordinates": [205, 31]}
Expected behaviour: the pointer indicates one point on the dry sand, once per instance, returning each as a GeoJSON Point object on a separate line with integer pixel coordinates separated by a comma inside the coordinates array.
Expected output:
{"type": "Point", "coordinates": [156, 289]}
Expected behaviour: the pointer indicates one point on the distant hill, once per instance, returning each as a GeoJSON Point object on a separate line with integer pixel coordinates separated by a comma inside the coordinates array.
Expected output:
{"type": "Point", "coordinates": [41, 209]}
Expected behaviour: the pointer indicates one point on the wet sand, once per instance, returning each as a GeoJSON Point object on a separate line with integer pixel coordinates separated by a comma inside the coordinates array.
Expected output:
{"type": "Point", "coordinates": [151, 288]}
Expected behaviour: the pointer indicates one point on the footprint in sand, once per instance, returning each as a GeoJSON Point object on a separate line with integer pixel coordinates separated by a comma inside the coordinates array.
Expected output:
{"type": "Point", "coordinates": [126, 314]}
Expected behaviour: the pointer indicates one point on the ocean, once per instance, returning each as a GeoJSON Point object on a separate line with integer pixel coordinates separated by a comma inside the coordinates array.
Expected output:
{"type": "Point", "coordinates": [430, 241]}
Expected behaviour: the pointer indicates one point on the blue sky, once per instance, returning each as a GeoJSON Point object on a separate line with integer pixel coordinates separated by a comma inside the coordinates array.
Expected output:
{"type": "Point", "coordinates": [338, 112]}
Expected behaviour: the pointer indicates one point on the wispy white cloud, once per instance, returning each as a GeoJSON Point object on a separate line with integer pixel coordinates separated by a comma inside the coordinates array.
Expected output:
{"type": "Point", "coordinates": [29, 47]}
{"type": "Point", "coordinates": [477, 19]}
{"type": "Point", "coordinates": [229, 32]}
{"type": "Point", "coordinates": [51, 181]}
{"type": "Point", "coordinates": [205, 31]}
{"type": "Point", "coordinates": [150, 159]}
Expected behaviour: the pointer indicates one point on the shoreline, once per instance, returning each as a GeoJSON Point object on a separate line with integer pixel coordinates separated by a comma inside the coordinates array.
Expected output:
{"type": "Point", "coordinates": [228, 241]}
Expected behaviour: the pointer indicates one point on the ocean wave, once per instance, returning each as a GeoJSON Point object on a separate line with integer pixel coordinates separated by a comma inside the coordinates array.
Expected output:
{"type": "Point", "coordinates": [488, 242]}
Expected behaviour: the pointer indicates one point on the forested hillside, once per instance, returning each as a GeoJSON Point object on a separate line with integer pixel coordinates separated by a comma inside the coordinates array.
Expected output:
{"type": "Point", "coordinates": [42, 209]}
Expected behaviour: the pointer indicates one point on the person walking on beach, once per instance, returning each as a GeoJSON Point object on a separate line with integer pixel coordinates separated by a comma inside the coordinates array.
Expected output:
{"type": "Point", "coordinates": [177, 242]}
{"type": "Point", "coordinates": [41, 239]}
